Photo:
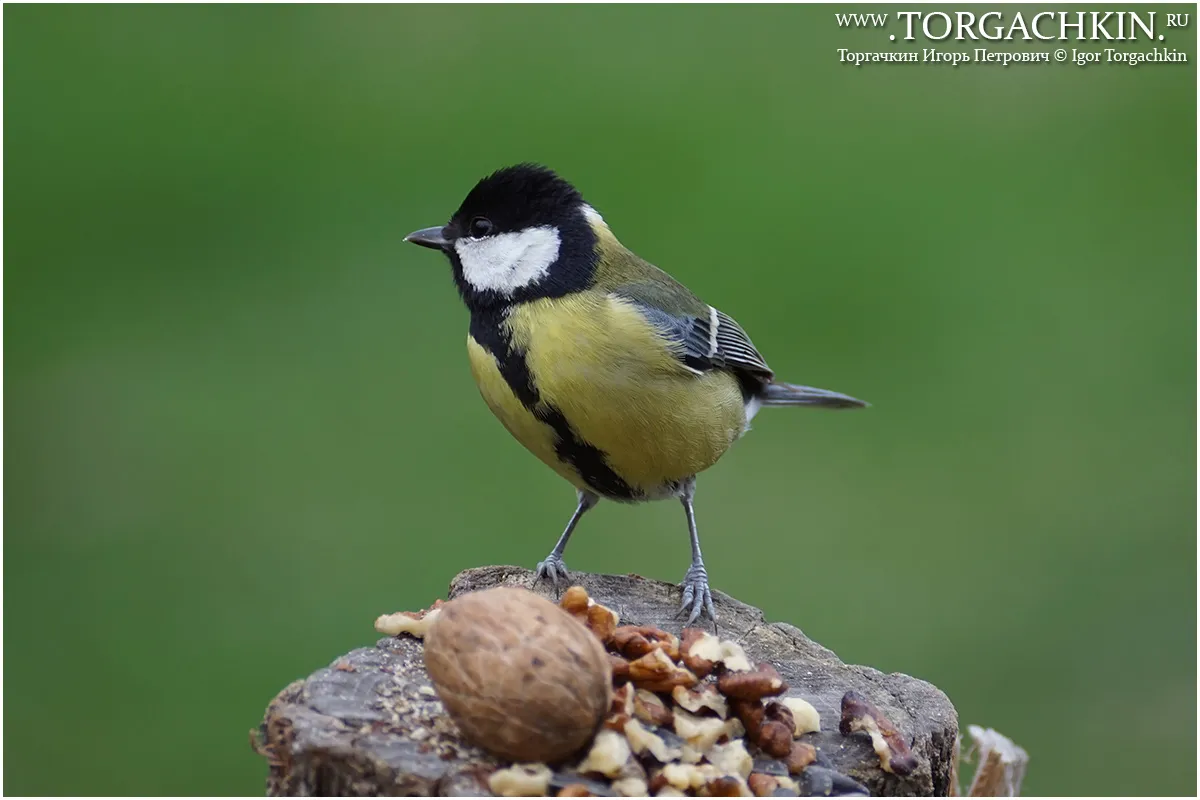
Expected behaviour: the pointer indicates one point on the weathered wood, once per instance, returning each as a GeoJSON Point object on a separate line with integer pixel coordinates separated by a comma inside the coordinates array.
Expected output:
{"type": "Point", "coordinates": [371, 723]}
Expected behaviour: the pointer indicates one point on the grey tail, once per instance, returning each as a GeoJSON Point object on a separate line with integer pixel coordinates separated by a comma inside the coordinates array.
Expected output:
{"type": "Point", "coordinates": [789, 394]}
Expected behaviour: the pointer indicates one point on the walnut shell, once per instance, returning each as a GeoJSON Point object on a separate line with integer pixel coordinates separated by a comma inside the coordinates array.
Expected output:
{"type": "Point", "coordinates": [518, 675]}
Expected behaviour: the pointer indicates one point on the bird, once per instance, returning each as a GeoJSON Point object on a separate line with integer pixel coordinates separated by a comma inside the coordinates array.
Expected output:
{"type": "Point", "coordinates": [602, 365]}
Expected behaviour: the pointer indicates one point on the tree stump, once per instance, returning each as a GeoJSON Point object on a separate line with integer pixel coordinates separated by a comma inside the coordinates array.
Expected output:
{"type": "Point", "coordinates": [371, 723]}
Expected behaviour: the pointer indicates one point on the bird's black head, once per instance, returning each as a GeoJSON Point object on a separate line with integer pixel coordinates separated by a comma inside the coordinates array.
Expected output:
{"type": "Point", "coordinates": [522, 233]}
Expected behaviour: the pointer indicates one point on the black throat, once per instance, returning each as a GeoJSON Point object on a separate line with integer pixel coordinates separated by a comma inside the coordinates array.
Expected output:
{"type": "Point", "coordinates": [489, 329]}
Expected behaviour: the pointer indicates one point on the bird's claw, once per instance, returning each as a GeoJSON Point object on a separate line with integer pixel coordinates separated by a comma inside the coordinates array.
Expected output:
{"type": "Point", "coordinates": [697, 597]}
{"type": "Point", "coordinates": [553, 569]}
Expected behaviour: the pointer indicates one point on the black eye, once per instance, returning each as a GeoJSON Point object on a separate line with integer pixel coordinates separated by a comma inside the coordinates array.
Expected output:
{"type": "Point", "coordinates": [481, 226]}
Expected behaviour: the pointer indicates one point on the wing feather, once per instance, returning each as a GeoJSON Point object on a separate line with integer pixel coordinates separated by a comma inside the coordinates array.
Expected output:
{"type": "Point", "coordinates": [707, 339]}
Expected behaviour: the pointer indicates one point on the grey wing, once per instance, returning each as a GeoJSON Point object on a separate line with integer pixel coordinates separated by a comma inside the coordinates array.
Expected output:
{"type": "Point", "coordinates": [707, 340]}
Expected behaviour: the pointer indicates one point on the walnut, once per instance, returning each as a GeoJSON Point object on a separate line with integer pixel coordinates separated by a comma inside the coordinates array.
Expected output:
{"type": "Point", "coordinates": [518, 675]}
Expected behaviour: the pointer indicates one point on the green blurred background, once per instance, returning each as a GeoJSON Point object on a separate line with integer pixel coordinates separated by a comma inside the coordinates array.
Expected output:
{"type": "Point", "coordinates": [240, 422]}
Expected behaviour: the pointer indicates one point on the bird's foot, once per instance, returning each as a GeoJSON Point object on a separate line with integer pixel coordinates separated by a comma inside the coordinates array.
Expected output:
{"type": "Point", "coordinates": [553, 569]}
{"type": "Point", "coordinates": [697, 597]}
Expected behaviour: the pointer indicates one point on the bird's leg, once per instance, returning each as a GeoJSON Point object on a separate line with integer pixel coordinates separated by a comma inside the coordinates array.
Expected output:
{"type": "Point", "coordinates": [553, 567]}
{"type": "Point", "coordinates": [696, 595]}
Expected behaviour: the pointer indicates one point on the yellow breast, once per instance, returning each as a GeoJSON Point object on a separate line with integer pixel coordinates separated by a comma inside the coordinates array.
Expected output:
{"type": "Point", "coordinates": [598, 365]}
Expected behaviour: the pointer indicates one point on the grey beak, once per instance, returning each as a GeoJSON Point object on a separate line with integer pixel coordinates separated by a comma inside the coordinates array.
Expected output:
{"type": "Point", "coordinates": [429, 237]}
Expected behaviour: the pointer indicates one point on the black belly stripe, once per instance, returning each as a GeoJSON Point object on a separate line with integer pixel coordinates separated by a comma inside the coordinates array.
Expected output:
{"type": "Point", "coordinates": [487, 329]}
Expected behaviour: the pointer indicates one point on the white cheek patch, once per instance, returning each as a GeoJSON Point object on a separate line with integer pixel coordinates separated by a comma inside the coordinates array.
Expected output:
{"type": "Point", "coordinates": [508, 261]}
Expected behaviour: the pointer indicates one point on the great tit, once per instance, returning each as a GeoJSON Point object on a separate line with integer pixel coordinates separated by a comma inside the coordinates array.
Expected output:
{"type": "Point", "coordinates": [599, 363]}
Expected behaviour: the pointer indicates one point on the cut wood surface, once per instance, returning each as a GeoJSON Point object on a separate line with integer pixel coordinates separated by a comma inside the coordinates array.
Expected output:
{"type": "Point", "coordinates": [371, 722]}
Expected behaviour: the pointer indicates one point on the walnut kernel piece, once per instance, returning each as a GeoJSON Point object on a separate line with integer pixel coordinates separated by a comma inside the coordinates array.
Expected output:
{"type": "Point", "coordinates": [634, 641]}
{"type": "Point", "coordinates": [598, 619]}
{"type": "Point", "coordinates": [630, 787]}
{"type": "Point", "coordinates": [414, 623]}
{"type": "Point", "coordinates": [649, 708]}
{"type": "Point", "coordinates": [575, 600]}
{"type": "Point", "coordinates": [601, 621]}
{"type": "Point", "coordinates": [700, 651]}
{"type": "Point", "coordinates": [656, 672]}
{"type": "Point", "coordinates": [764, 681]}
{"type": "Point", "coordinates": [575, 790]}
{"type": "Point", "coordinates": [762, 785]}
{"type": "Point", "coordinates": [706, 696]}
{"type": "Point", "coordinates": [733, 657]}
{"type": "Point", "coordinates": [726, 786]}
{"type": "Point", "coordinates": [801, 755]}
{"type": "Point", "coordinates": [687, 776]}
{"type": "Point", "coordinates": [775, 738]}
{"type": "Point", "coordinates": [859, 714]}
{"type": "Point", "coordinates": [608, 755]}
{"type": "Point", "coordinates": [619, 667]}
{"type": "Point", "coordinates": [752, 715]}
{"type": "Point", "coordinates": [518, 675]}
{"type": "Point", "coordinates": [777, 711]}
{"type": "Point", "coordinates": [622, 701]}
{"type": "Point", "coordinates": [521, 780]}
{"type": "Point", "coordinates": [645, 741]}
{"type": "Point", "coordinates": [701, 733]}
{"type": "Point", "coordinates": [731, 758]}
{"type": "Point", "coordinates": [806, 717]}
